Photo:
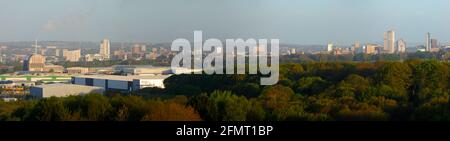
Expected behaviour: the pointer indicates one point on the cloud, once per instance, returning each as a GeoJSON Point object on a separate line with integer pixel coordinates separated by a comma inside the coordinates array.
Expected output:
{"type": "Point", "coordinates": [68, 21]}
{"type": "Point", "coordinates": [50, 26]}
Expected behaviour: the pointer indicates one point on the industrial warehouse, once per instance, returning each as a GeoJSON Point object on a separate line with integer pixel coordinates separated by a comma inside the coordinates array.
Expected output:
{"type": "Point", "coordinates": [63, 90]}
{"type": "Point", "coordinates": [120, 78]}
{"type": "Point", "coordinates": [121, 83]}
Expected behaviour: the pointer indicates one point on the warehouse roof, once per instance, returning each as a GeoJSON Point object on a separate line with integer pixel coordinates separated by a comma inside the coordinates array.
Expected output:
{"type": "Point", "coordinates": [123, 78]}
{"type": "Point", "coordinates": [139, 66]}
{"type": "Point", "coordinates": [61, 85]}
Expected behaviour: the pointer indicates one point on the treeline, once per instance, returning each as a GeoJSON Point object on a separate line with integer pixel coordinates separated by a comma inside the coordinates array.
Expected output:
{"type": "Point", "coordinates": [95, 107]}
{"type": "Point", "coordinates": [331, 91]}
{"type": "Point", "coordinates": [410, 90]}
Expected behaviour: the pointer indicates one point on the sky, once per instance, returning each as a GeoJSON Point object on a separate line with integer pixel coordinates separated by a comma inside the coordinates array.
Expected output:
{"type": "Point", "coordinates": [291, 21]}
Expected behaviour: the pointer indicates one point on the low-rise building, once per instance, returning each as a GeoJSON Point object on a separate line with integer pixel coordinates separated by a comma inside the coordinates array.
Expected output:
{"type": "Point", "coordinates": [139, 69]}
{"type": "Point", "coordinates": [121, 83]}
{"type": "Point", "coordinates": [63, 90]}
{"type": "Point", "coordinates": [371, 49]}
{"type": "Point", "coordinates": [77, 70]}
{"type": "Point", "coordinates": [9, 99]}
{"type": "Point", "coordinates": [72, 56]}
{"type": "Point", "coordinates": [54, 68]}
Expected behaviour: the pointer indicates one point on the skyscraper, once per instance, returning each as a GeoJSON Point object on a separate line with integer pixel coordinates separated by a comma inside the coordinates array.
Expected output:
{"type": "Point", "coordinates": [330, 47]}
{"type": "Point", "coordinates": [143, 48]}
{"type": "Point", "coordinates": [428, 42]}
{"type": "Point", "coordinates": [389, 41]}
{"type": "Point", "coordinates": [57, 52]}
{"type": "Point", "coordinates": [401, 46]}
{"type": "Point", "coordinates": [357, 45]}
{"type": "Point", "coordinates": [434, 43]}
{"type": "Point", "coordinates": [136, 50]}
{"type": "Point", "coordinates": [105, 49]}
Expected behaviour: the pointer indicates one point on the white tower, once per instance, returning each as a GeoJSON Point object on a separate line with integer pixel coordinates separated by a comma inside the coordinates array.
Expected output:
{"type": "Point", "coordinates": [389, 41]}
{"type": "Point", "coordinates": [330, 47]}
{"type": "Point", "coordinates": [428, 42]}
{"type": "Point", "coordinates": [105, 49]}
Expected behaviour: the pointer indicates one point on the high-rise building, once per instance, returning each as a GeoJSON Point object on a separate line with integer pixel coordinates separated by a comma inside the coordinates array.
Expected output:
{"type": "Point", "coordinates": [401, 46]}
{"type": "Point", "coordinates": [43, 51]}
{"type": "Point", "coordinates": [428, 42]}
{"type": "Point", "coordinates": [434, 43]}
{"type": "Point", "coordinates": [72, 56]}
{"type": "Point", "coordinates": [136, 50]}
{"type": "Point", "coordinates": [105, 49]}
{"type": "Point", "coordinates": [57, 52]}
{"type": "Point", "coordinates": [120, 55]}
{"type": "Point", "coordinates": [64, 51]}
{"type": "Point", "coordinates": [51, 51]}
{"type": "Point", "coordinates": [330, 47]}
{"type": "Point", "coordinates": [389, 41]}
{"type": "Point", "coordinates": [143, 48]}
{"type": "Point", "coordinates": [371, 49]}
{"type": "Point", "coordinates": [357, 45]}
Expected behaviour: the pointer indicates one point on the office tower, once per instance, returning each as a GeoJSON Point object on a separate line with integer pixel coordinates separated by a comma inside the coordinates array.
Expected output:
{"type": "Point", "coordinates": [143, 48]}
{"type": "Point", "coordinates": [57, 52]}
{"type": "Point", "coordinates": [401, 46]}
{"type": "Point", "coordinates": [136, 49]}
{"type": "Point", "coordinates": [64, 51]}
{"type": "Point", "coordinates": [434, 43]}
{"type": "Point", "coordinates": [105, 49]}
{"type": "Point", "coordinates": [120, 54]}
{"type": "Point", "coordinates": [389, 41]}
{"type": "Point", "coordinates": [51, 50]}
{"type": "Point", "coordinates": [428, 42]}
{"type": "Point", "coordinates": [357, 45]}
{"type": "Point", "coordinates": [72, 56]}
{"type": "Point", "coordinates": [43, 51]}
{"type": "Point", "coordinates": [330, 47]}
{"type": "Point", "coordinates": [371, 48]}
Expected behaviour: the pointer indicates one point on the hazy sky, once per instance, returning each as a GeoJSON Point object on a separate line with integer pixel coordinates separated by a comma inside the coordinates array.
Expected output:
{"type": "Point", "coordinates": [291, 21]}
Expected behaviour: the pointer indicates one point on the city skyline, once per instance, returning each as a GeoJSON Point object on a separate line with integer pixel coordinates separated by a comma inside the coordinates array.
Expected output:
{"type": "Point", "coordinates": [293, 22]}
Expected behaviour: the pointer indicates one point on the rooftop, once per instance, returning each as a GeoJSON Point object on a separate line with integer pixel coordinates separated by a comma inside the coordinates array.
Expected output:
{"type": "Point", "coordinates": [123, 78]}
{"type": "Point", "coordinates": [61, 85]}
{"type": "Point", "coordinates": [139, 66]}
